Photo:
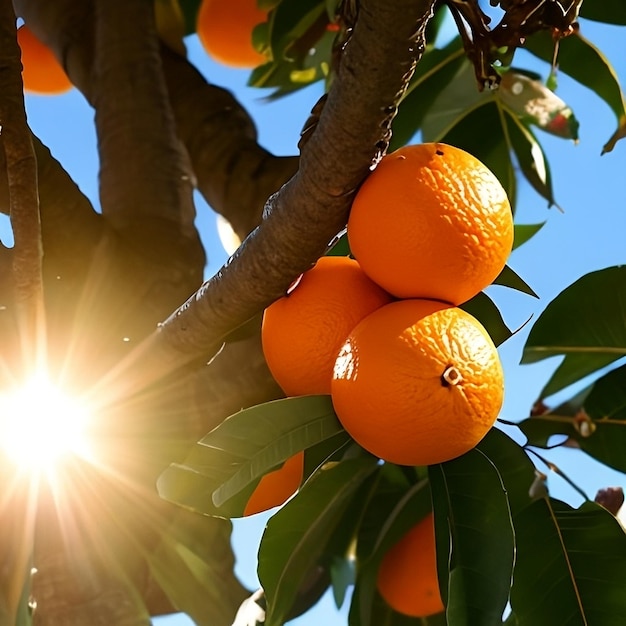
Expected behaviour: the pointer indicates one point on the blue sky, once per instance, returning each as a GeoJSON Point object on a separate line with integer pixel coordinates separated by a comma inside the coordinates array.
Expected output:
{"type": "Point", "coordinates": [589, 235]}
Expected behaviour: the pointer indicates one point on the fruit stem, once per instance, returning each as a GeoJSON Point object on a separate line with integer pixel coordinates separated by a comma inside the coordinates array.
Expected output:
{"type": "Point", "coordinates": [451, 376]}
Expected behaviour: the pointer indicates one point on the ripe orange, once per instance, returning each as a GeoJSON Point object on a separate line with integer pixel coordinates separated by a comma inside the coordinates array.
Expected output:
{"type": "Point", "coordinates": [407, 577]}
{"type": "Point", "coordinates": [41, 72]}
{"type": "Point", "coordinates": [277, 486]}
{"type": "Point", "coordinates": [431, 221]}
{"type": "Point", "coordinates": [303, 331]}
{"type": "Point", "coordinates": [418, 382]}
{"type": "Point", "coordinates": [225, 31]}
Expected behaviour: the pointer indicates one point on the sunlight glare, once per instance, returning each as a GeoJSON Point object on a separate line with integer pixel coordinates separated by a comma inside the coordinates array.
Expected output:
{"type": "Point", "coordinates": [40, 424]}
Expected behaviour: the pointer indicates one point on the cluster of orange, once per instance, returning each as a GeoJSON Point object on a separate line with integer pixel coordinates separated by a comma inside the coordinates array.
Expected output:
{"type": "Point", "coordinates": [414, 379]}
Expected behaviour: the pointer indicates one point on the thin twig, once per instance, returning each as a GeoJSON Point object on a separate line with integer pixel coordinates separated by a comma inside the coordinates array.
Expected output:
{"type": "Point", "coordinates": [556, 470]}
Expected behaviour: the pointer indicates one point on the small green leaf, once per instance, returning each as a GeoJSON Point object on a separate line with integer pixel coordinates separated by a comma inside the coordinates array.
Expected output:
{"type": "Point", "coordinates": [295, 537]}
{"type": "Point", "coordinates": [530, 157]}
{"type": "Point", "coordinates": [482, 307]}
{"type": "Point", "coordinates": [533, 103]}
{"type": "Point", "coordinates": [524, 232]}
{"type": "Point", "coordinates": [342, 576]}
{"type": "Point", "coordinates": [609, 11]}
{"type": "Point", "coordinates": [509, 278]}
{"type": "Point", "coordinates": [571, 566]}
{"type": "Point", "coordinates": [475, 539]}
{"type": "Point", "coordinates": [585, 63]}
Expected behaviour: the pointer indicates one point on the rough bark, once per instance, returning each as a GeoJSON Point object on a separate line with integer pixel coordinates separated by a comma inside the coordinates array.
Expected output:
{"type": "Point", "coordinates": [308, 211]}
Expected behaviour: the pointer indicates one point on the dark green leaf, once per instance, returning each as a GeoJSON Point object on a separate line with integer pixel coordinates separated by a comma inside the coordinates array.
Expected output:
{"type": "Point", "coordinates": [472, 512]}
{"type": "Point", "coordinates": [595, 418]}
{"type": "Point", "coordinates": [509, 278]}
{"type": "Point", "coordinates": [297, 534]}
{"type": "Point", "coordinates": [455, 102]}
{"type": "Point", "coordinates": [190, 10]}
{"type": "Point", "coordinates": [587, 318]}
{"type": "Point", "coordinates": [571, 566]}
{"type": "Point", "coordinates": [530, 157]}
{"type": "Point", "coordinates": [235, 455]}
{"type": "Point", "coordinates": [489, 146]}
{"type": "Point", "coordinates": [433, 73]}
{"type": "Point", "coordinates": [481, 306]}
{"type": "Point", "coordinates": [585, 63]}
{"type": "Point", "coordinates": [524, 232]}
{"type": "Point", "coordinates": [515, 468]}
{"type": "Point", "coordinates": [607, 398]}
{"type": "Point", "coordinates": [609, 11]}
{"type": "Point", "coordinates": [573, 368]}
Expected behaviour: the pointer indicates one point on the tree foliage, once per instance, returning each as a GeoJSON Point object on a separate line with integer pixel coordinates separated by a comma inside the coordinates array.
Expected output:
{"type": "Point", "coordinates": [97, 295]}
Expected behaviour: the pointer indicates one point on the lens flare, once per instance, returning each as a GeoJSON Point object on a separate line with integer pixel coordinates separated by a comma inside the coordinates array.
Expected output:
{"type": "Point", "coordinates": [40, 424]}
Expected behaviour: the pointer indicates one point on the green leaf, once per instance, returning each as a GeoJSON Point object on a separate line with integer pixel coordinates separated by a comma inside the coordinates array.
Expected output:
{"type": "Point", "coordinates": [455, 102]}
{"type": "Point", "coordinates": [532, 102]}
{"type": "Point", "coordinates": [490, 147]}
{"type": "Point", "coordinates": [433, 74]}
{"type": "Point", "coordinates": [342, 576]}
{"type": "Point", "coordinates": [530, 156]}
{"type": "Point", "coordinates": [609, 11]}
{"type": "Point", "coordinates": [509, 278]}
{"type": "Point", "coordinates": [595, 418]}
{"type": "Point", "coordinates": [516, 470]}
{"type": "Point", "coordinates": [193, 564]}
{"type": "Point", "coordinates": [524, 232]}
{"type": "Point", "coordinates": [571, 566]}
{"type": "Point", "coordinates": [297, 534]}
{"type": "Point", "coordinates": [586, 64]}
{"type": "Point", "coordinates": [588, 320]}
{"type": "Point", "coordinates": [475, 540]}
{"type": "Point", "coordinates": [573, 368]}
{"type": "Point", "coordinates": [232, 458]}
{"type": "Point", "coordinates": [482, 307]}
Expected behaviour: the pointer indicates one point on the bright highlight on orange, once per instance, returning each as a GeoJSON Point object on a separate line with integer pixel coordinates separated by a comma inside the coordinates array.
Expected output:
{"type": "Point", "coordinates": [40, 424]}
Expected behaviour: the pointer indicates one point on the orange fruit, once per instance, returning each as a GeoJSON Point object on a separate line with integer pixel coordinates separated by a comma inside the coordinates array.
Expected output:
{"type": "Point", "coordinates": [41, 72]}
{"type": "Point", "coordinates": [431, 221]}
{"type": "Point", "coordinates": [407, 577]}
{"type": "Point", "coordinates": [277, 486]}
{"type": "Point", "coordinates": [303, 331]}
{"type": "Point", "coordinates": [418, 382]}
{"type": "Point", "coordinates": [225, 31]}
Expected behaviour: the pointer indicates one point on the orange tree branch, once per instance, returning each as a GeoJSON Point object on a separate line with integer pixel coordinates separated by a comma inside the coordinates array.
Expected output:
{"type": "Point", "coordinates": [217, 132]}
{"type": "Point", "coordinates": [21, 169]}
{"type": "Point", "coordinates": [300, 219]}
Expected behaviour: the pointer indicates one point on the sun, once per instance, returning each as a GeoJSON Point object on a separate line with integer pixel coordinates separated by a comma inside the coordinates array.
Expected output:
{"type": "Point", "coordinates": [40, 424]}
